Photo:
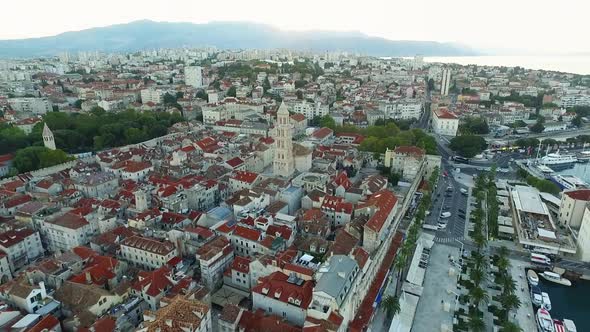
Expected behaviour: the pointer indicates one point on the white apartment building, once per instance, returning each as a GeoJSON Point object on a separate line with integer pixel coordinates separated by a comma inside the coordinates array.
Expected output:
{"type": "Point", "coordinates": [568, 101]}
{"type": "Point", "coordinates": [584, 237]}
{"type": "Point", "coordinates": [152, 95]}
{"type": "Point", "coordinates": [147, 252]}
{"type": "Point", "coordinates": [67, 231]}
{"type": "Point", "coordinates": [404, 109]}
{"type": "Point", "coordinates": [445, 83]}
{"type": "Point", "coordinates": [193, 76]}
{"type": "Point", "coordinates": [310, 110]}
{"type": "Point", "coordinates": [20, 246]}
{"type": "Point", "coordinates": [572, 206]}
{"type": "Point", "coordinates": [444, 122]}
{"type": "Point", "coordinates": [30, 105]}
{"type": "Point", "coordinates": [214, 257]}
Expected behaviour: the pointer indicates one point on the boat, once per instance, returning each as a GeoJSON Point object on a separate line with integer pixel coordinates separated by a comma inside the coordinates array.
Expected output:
{"type": "Point", "coordinates": [546, 301]}
{"type": "Point", "coordinates": [584, 156]}
{"type": "Point", "coordinates": [568, 182]}
{"type": "Point", "coordinates": [558, 325]}
{"type": "Point", "coordinates": [544, 321]}
{"type": "Point", "coordinates": [569, 325]}
{"type": "Point", "coordinates": [556, 278]}
{"type": "Point", "coordinates": [558, 160]}
{"type": "Point", "coordinates": [536, 296]}
{"type": "Point", "coordinates": [566, 325]}
{"type": "Point", "coordinates": [532, 277]}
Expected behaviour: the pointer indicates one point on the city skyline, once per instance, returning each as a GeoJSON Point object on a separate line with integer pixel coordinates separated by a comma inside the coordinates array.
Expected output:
{"type": "Point", "coordinates": [504, 27]}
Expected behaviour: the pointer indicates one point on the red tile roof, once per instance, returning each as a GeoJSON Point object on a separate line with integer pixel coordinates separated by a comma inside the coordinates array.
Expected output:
{"type": "Point", "coordinates": [580, 195]}
{"type": "Point", "coordinates": [444, 114]}
{"type": "Point", "coordinates": [383, 202]}
{"type": "Point", "coordinates": [155, 282]}
{"type": "Point", "coordinates": [322, 133]}
{"type": "Point", "coordinates": [259, 322]}
{"type": "Point", "coordinates": [247, 233]}
{"type": "Point", "coordinates": [245, 176]}
{"type": "Point", "coordinates": [241, 264]}
{"type": "Point", "coordinates": [149, 245]}
{"type": "Point", "coordinates": [276, 287]}
{"type": "Point", "coordinates": [70, 220]}
{"type": "Point", "coordinates": [235, 162]}
{"type": "Point", "coordinates": [410, 150]}
{"type": "Point", "coordinates": [48, 323]}
{"type": "Point", "coordinates": [10, 238]}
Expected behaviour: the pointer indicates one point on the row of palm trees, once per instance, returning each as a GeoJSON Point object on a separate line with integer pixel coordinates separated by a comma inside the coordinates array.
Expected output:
{"type": "Point", "coordinates": [391, 303]}
{"type": "Point", "coordinates": [478, 272]}
{"type": "Point", "coordinates": [508, 298]}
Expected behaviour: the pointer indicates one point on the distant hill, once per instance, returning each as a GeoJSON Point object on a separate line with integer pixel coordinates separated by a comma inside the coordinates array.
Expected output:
{"type": "Point", "coordinates": [140, 35]}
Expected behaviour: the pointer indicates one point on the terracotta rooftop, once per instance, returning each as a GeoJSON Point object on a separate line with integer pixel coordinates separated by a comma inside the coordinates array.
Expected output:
{"type": "Point", "coordinates": [149, 245]}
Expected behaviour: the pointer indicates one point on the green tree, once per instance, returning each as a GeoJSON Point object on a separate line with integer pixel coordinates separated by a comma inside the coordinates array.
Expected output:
{"type": "Point", "coordinates": [231, 92]}
{"type": "Point", "coordinates": [431, 84]}
{"type": "Point", "coordinates": [391, 306]}
{"type": "Point", "coordinates": [202, 95]}
{"type": "Point", "coordinates": [476, 323]}
{"type": "Point", "coordinates": [538, 127]}
{"type": "Point", "coordinates": [577, 121]}
{"type": "Point", "coordinates": [328, 121]}
{"type": "Point", "coordinates": [468, 145]}
{"type": "Point", "coordinates": [478, 295]}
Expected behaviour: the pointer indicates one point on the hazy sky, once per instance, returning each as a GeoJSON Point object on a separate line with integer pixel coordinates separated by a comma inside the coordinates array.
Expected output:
{"type": "Point", "coordinates": [558, 26]}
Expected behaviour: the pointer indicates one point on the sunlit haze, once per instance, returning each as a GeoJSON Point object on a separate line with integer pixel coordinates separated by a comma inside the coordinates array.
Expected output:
{"type": "Point", "coordinates": [540, 26]}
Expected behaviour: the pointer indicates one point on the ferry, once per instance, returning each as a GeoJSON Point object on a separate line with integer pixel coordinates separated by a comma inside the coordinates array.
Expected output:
{"type": "Point", "coordinates": [584, 156]}
{"type": "Point", "coordinates": [556, 159]}
{"type": "Point", "coordinates": [532, 277]}
{"type": "Point", "coordinates": [544, 321]}
{"type": "Point", "coordinates": [536, 296]}
{"type": "Point", "coordinates": [546, 301]}
{"type": "Point", "coordinates": [556, 278]}
{"type": "Point", "coordinates": [567, 182]}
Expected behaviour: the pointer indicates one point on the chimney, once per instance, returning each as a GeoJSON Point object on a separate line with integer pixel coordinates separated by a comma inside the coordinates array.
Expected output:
{"type": "Point", "coordinates": [88, 278]}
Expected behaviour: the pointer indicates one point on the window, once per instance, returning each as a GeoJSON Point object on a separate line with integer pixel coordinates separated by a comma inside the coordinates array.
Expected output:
{"type": "Point", "coordinates": [269, 309]}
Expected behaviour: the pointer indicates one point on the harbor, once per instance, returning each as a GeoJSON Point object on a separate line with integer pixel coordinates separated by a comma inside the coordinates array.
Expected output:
{"type": "Point", "coordinates": [558, 304]}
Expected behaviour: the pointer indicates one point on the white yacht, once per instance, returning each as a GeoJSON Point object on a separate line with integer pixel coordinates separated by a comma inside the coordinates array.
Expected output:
{"type": "Point", "coordinates": [544, 321]}
{"type": "Point", "coordinates": [584, 156]}
{"type": "Point", "coordinates": [546, 301]}
{"type": "Point", "coordinates": [556, 278]}
{"type": "Point", "coordinates": [568, 182]}
{"type": "Point", "coordinates": [532, 277]}
{"type": "Point", "coordinates": [557, 159]}
{"type": "Point", "coordinates": [536, 296]}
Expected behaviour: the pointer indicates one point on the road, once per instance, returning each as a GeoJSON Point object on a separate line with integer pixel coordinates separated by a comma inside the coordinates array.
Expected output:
{"type": "Point", "coordinates": [448, 201]}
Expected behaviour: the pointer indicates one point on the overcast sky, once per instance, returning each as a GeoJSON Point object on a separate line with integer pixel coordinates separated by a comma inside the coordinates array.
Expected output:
{"type": "Point", "coordinates": [556, 26]}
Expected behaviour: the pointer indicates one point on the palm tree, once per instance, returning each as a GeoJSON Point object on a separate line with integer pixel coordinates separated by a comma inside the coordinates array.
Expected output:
{"type": "Point", "coordinates": [476, 275]}
{"type": "Point", "coordinates": [478, 295]}
{"type": "Point", "coordinates": [480, 240]}
{"type": "Point", "coordinates": [476, 323]}
{"type": "Point", "coordinates": [478, 258]}
{"type": "Point", "coordinates": [503, 263]}
{"type": "Point", "coordinates": [400, 262]}
{"type": "Point", "coordinates": [509, 301]}
{"type": "Point", "coordinates": [503, 251]}
{"type": "Point", "coordinates": [508, 285]}
{"type": "Point", "coordinates": [391, 306]}
{"type": "Point", "coordinates": [509, 326]}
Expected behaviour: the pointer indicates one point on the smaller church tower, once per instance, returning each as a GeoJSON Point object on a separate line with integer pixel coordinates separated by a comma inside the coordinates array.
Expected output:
{"type": "Point", "coordinates": [48, 139]}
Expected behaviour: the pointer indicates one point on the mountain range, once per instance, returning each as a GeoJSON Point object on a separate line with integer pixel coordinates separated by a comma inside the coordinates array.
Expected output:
{"type": "Point", "coordinates": [145, 34]}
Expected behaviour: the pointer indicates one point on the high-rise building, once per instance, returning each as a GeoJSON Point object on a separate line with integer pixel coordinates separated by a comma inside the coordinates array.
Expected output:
{"type": "Point", "coordinates": [283, 163]}
{"type": "Point", "coordinates": [193, 76]}
{"type": "Point", "coordinates": [445, 82]}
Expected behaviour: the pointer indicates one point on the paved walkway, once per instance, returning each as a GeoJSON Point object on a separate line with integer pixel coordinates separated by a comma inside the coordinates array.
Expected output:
{"type": "Point", "coordinates": [524, 316]}
{"type": "Point", "coordinates": [430, 314]}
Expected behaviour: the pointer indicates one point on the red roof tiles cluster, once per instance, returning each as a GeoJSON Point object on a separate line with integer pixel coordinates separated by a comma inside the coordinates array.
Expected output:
{"type": "Point", "coordinates": [383, 202]}
{"type": "Point", "coordinates": [245, 176]}
{"type": "Point", "coordinates": [276, 286]}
